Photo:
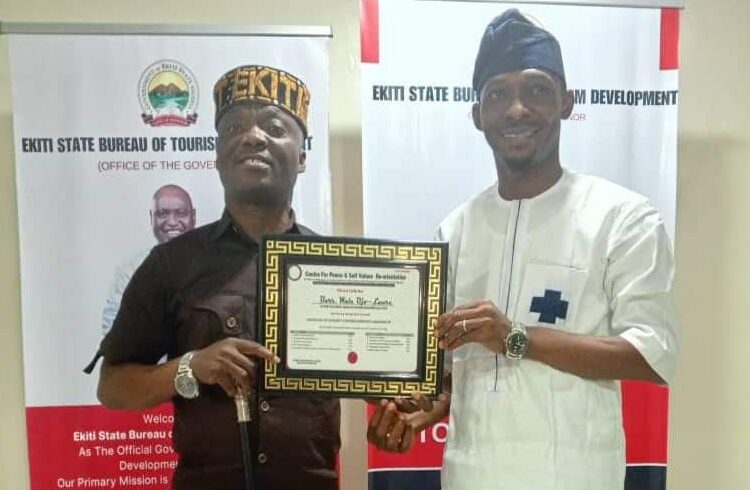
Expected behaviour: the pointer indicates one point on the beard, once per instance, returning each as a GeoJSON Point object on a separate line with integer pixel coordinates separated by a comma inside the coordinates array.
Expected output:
{"type": "Point", "coordinates": [527, 163]}
{"type": "Point", "coordinates": [518, 165]}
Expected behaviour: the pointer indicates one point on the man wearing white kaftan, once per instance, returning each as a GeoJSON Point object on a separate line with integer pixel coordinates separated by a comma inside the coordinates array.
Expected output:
{"type": "Point", "coordinates": [561, 287]}
{"type": "Point", "coordinates": [602, 258]}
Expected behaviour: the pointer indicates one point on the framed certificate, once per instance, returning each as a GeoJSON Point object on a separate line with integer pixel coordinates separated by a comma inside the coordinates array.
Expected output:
{"type": "Point", "coordinates": [351, 317]}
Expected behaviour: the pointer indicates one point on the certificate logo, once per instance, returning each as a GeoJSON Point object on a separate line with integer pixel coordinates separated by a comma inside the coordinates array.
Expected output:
{"type": "Point", "coordinates": [168, 94]}
{"type": "Point", "coordinates": [294, 273]}
{"type": "Point", "coordinates": [352, 357]}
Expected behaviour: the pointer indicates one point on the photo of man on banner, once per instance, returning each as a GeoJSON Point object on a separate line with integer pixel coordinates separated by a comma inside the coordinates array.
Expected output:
{"type": "Point", "coordinates": [561, 286]}
{"type": "Point", "coordinates": [171, 214]}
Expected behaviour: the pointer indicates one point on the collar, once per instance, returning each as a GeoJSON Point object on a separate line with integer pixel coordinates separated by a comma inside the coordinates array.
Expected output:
{"type": "Point", "coordinates": [227, 223]}
{"type": "Point", "coordinates": [550, 191]}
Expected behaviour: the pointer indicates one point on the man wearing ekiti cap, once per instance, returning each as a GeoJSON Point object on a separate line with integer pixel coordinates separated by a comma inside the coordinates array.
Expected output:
{"type": "Point", "coordinates": [194, 299]}
{"type": "Point", "coordinates": [560, 285]}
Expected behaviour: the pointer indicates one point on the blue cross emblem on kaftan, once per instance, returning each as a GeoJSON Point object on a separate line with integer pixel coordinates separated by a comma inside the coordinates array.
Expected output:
{"type": "Point", "coordinates": [550, 306]}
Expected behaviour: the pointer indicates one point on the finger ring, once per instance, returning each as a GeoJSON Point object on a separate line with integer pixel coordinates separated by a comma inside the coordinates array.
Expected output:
{"type": "Point", "coordinates": [463, 325]}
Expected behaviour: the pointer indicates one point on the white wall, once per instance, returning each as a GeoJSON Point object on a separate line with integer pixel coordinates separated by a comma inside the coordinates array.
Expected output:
{"type": "Point", "coordinates": [711, 396]}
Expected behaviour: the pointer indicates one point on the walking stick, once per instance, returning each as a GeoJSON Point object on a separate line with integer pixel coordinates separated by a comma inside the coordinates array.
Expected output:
{"type": "Point", "coordinates": [243, 421]}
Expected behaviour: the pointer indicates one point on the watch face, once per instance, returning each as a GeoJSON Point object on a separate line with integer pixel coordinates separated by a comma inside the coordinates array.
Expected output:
{"type": "Point", "coordinates": [517, 343]}
{"type": "Point", "coordinates": [186, 386]}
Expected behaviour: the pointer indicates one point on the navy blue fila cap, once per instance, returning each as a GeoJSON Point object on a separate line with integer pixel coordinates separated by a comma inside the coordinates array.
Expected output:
{"type": "Point", "coordinates": [512, 43]}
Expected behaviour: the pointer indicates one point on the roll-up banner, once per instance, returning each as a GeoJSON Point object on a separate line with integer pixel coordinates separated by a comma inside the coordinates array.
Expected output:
{"type": "Point", "coordinates": [104, 117]}
{"type": "Point", "coordinates": [422, 155]}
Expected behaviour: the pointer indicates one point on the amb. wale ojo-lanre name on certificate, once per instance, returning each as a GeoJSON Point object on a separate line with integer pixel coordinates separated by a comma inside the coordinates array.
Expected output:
{"type": "Point", "coordinates": [352, 318]}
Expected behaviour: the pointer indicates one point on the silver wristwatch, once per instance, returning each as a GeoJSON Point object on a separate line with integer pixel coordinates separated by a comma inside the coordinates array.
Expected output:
{"type": "Point", "coordinates": [184, 382]}
{"type": "Point", "coordinates": [517, 342]}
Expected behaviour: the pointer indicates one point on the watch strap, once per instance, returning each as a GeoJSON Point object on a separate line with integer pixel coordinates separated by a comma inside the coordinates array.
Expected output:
{"type": "Point", "coordinates": [183, 367]}
{"type": "Point", "coordinates": [517, 329]}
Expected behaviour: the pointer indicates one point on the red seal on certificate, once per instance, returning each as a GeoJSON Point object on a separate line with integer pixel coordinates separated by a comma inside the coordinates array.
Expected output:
{"type": "Point", "coordinates": [352, 357]}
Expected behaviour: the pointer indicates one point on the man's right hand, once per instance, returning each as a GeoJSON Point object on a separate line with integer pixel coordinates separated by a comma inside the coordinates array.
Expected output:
{"type": "Point", "coordinates": [395, 422]}
{"type": "Point", "coordinates": [230, 363]}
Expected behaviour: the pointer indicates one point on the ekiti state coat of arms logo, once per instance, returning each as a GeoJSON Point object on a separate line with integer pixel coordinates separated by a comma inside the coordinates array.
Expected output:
{"type": "Point", "coordinates": [168, 94]}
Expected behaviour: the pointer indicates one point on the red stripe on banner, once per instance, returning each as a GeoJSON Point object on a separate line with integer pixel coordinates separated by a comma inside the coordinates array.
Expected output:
{"type": "Point", "coordinates": [645, 419]}
{"type": "Point", "coordinates": [645, 408]}
{"type": "Point", "coordinates": [92, 447]}
{"type": "Point", "coordinates": [369, 31]}
{"type": "Point", "coordinates": [670, 39]}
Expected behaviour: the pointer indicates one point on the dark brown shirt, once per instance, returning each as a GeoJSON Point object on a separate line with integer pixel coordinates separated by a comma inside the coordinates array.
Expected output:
{"type": "Point", "coordinates": [190, 292]}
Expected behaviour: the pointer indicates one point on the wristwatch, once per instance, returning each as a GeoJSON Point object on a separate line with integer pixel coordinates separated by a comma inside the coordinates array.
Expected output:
{"type": "Point", "coordinates": [184, 382]}
{"type": "Point", "coordinates": [517, 342]}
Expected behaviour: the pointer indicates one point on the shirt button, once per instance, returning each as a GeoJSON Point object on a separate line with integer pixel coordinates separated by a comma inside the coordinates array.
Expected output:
{"type": "Point", "coordinates": [264, 406]}
{"type": "Point", "coordinates": [262, 458]}
{"type": "Point", "coordinates": [231, 322]}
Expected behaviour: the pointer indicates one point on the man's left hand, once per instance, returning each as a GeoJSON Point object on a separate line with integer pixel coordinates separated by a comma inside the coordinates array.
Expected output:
{"type": "Point", "coordinates": [480, 322]}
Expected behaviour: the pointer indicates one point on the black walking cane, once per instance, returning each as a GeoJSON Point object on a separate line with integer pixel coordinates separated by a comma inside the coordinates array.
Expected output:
{"type": "Point", "coordinates": [243, 421]}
